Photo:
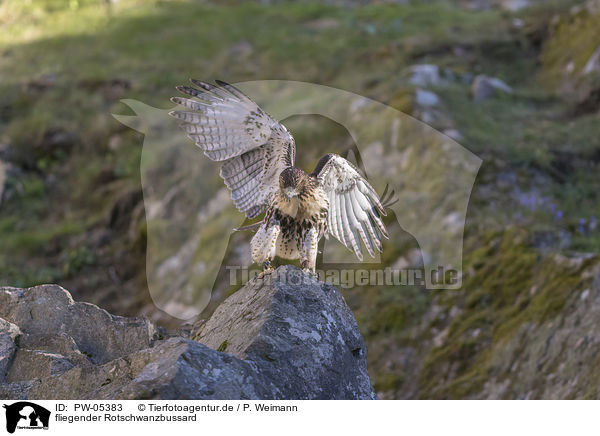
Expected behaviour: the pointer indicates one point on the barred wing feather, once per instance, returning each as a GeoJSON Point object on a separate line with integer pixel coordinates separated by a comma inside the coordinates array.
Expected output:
{"type": "Point", "coordinates": [231, 128]}
{"type": "Point", "coordinates": [354, 207]}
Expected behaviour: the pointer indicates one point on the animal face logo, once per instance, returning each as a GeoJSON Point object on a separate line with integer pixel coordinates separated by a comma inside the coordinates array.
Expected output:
{"type": "Point", "coordinates": [26, 415]}
{"type": "Point", "coordinates": [191, 249]}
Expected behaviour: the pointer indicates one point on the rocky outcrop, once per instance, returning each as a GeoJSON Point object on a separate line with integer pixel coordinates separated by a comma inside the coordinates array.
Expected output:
{"type": "Point", "coordinates": [284, 338]}
{"type": "Point", "coordinates": [571, 57]}
{"type": "Point", "coordinates": [522, 327]}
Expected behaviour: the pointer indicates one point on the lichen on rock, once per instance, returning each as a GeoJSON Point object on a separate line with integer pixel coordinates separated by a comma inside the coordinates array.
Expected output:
{"type": "Point", "coordinates": [290, 337]}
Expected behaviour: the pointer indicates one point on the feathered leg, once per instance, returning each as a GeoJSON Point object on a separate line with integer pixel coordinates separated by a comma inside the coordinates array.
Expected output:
{"type": "Point", "coordinates": [309, 250]}
{"type": "Point", "coordinates": [264, 244]}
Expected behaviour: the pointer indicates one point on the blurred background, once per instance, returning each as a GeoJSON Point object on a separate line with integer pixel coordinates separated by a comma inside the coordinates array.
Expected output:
{"type": "Point", "coordinates": [517, 82]}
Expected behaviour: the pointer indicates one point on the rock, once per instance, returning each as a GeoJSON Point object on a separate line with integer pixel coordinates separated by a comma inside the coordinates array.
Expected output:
{"type": "Point", "coordinates": [571, 56]}
{"type": "Point", "coordinates": [425, 98]}
{"type": "Point", "coordinates": [50, 310]}
{"type": "Point", "coordinates": [593, 63]}
{"type": "Point", "coordinates": [290, 337]}
{"type": "Point", "coordinates": [485, 87]}
{"type": "Point", "coordinates": [548, 352]}
{"type": "Point", "coordinates": [426, 108]}
{"type": "Point", "coordinates": [514, 5]}
{"type": "Point", "coordinates": [278, 327]}
{"type": "Point", "coordinates": [8, 333]}
{"type": "Point", "coordinates": [32, 364]}
{"type": "Point", "coordinates": [425, 75]}
{"type": "Point", "coordinates": [183, 369]}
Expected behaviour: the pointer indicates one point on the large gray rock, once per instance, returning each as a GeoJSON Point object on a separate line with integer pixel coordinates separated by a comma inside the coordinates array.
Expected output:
{"type": "Point", "coordinates": [287, 337]}
{"type": "Point", "coordinates": [299, 332]}
{"type": "Point", "coordinates": [48, 317]}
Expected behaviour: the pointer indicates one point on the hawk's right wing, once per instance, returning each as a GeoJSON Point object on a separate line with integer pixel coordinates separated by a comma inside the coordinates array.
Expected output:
{"type": "Point", "coordinates": [231, 128]}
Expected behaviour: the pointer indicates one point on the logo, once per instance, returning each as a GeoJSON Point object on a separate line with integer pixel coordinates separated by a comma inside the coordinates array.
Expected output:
{"type": "Point", "coordinates": [26, 415]}
{"type": "Point", "coordinates": [192, 252]}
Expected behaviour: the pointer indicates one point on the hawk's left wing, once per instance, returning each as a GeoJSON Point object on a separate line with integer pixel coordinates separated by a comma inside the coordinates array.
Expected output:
{"type": "Point", "coordinates": [354, 207]}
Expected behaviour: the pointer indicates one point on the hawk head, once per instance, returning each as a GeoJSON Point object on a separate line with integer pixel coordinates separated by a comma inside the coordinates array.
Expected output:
{"type": "Point", "coordinates": [290, 181]}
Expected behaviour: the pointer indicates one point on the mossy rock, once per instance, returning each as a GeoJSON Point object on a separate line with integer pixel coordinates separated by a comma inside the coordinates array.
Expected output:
{"type": "Point", "coordinates": [508, 287]}
{"type": "Point", "coordinates": [573, 41]}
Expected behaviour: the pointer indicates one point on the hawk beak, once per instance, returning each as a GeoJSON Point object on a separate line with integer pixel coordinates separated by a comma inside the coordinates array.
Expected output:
{"type": "Point", "coordinates": [290, 192]}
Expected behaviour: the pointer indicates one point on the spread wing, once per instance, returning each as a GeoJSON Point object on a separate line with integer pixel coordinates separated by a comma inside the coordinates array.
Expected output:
{"type": "Point", "coordinates": [231, 128]}
{"type": "Point", "coordinates": [354, 207]}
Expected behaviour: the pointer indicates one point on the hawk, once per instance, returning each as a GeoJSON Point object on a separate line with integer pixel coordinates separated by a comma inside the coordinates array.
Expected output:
{"type": "Point", "coordinates": [258, 168]}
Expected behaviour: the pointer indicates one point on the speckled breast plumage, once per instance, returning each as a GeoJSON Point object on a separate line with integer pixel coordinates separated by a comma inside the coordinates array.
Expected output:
{"type": "Point", "coordinates": [296, 217]}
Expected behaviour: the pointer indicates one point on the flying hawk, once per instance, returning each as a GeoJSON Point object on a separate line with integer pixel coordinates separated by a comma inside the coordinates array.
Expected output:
{"type": "Point", "coordinates": [258, 168]}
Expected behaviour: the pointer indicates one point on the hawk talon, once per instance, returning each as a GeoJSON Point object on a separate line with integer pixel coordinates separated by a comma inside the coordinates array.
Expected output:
{"type": "Point", "coordinates": [264, 273]}
{"type": "Point", "coordinates": [312, 273]}
{"type": "Point", "coordinates": [304, 265]}
{"type": "Point", "coordinates": [308, 269]}
{"type": "Point", "coordinates": [268, 269]}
